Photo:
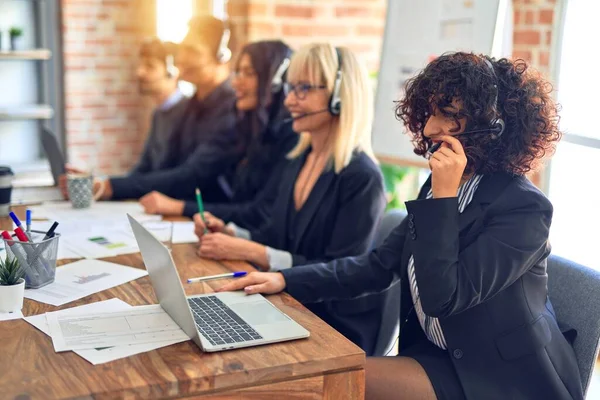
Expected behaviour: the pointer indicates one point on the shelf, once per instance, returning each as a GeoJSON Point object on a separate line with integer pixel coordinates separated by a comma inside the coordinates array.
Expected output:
{"type": "Point", "coordinates": [34, 111]}
{"type": "Point", "coordinates": [34, 54]}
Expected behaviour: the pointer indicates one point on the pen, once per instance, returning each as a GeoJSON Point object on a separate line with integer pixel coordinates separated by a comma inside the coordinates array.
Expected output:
{"type": "Point", "coordinates": [28, 221]}
{"type": "Point", "coordinates": [17, 222]}
{"type": "Point", "coordinates": [17, 251]}
{"type": "Point", "coordinates": [222, 276]}
{"type": "Point", "coordinates": [201, 208]}
{"type": "Point", "coordinates": [50, 234]}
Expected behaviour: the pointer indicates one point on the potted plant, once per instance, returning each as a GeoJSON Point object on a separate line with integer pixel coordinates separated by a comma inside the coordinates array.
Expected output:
{"type": "Point", "coordinates": [12, 285]}
{"type": "Point", "coordinates": [15, 33]}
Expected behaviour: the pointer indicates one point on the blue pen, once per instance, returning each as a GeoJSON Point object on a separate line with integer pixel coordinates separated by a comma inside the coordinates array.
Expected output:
{"type": "Point", "coordinates": [222, 276]}
{"type": "Point", "coordinates": [17, 222]}
{"type": "Point", "coordinates": [28, 221]}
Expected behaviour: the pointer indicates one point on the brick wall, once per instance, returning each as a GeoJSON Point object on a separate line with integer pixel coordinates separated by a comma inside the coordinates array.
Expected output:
{"type": "Point", "coordinates": [106, 119]}
{"type": "Point", "coordinates": [358, 24]}
{"type": "Point", "coordinates": [105, 124]}
{"type": "Point", "coordinates": [532, 40]}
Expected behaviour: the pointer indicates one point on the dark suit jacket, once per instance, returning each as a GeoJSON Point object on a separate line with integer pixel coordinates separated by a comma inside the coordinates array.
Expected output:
{"type": "Point", "coordinates": [338, 219]}
{"type": "Point", "coordinates": [203, 145]}
{"type": "Point", "coordinates": [156, 148]}
{"type": "Point", "coordinates": [483, 274]}
{"type": "Point", "coordinates": [254, 181]}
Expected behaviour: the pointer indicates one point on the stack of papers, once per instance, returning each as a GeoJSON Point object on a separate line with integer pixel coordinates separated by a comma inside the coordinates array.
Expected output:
{"type": "Point", "coordinates": [91, 329]}
{"type": "Point", "coordinates": [97, 232]}
{"type": "Point", "coordinates": [83, 278]}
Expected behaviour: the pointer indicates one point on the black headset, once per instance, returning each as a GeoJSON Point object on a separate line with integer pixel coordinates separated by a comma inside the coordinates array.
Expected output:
{"type": "Point", "coordinates": [279, 76]}
{"type": "Point", "coordinates": [497, 124]}
{"type": "Point", "coordinates": [335, 101]}
{"type": "Point", "coordinates": [223, 52]}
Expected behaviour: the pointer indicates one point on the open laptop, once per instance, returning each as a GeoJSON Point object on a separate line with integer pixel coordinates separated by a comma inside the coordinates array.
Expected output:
{"type": "Point", "coordinates": [215, 322]}
{"type": "Point", "coordinates": [33, 192]}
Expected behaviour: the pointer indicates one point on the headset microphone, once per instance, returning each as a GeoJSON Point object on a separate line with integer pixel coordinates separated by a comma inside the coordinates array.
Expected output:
{"type": "Point", "coordinates": [496, 132]}
{"type": "Point", "coordinates": [292, 119]}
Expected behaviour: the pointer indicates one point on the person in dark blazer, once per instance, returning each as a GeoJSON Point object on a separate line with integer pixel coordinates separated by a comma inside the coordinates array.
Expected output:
{"type": "Point", "coordinates": [202, 139]}
{"type": "Point", "coordinates": [330, 197]}
{"type": "Point", "coordinates": [263, 135]}
{"type": "Point", "coordinates": [476, 320]}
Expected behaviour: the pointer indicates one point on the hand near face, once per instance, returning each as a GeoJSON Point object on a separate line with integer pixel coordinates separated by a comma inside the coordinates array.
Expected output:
{"type": "Point", "coordinates": [447, 167]}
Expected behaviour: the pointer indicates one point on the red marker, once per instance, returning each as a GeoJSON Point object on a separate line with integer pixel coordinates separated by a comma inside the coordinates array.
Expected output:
{"type": "Point", "coordinates": [21, 235]}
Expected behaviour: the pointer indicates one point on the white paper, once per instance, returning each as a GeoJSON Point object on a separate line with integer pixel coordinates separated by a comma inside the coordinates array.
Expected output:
{"type": "Point", "coordinates": [82, 278]}
{"type": "Point", "coordinates": [106, 354]}
{"type": "Point", "coordinates": [137, 325]}
{"type": "Point", "coordinates": [107, 212]}
{"type": "Point", "coordinates": [183, 232]}
{"type": "Point", "coordinates": [100, 243]}
{"type": "Point", "coordinates": [11, 316]}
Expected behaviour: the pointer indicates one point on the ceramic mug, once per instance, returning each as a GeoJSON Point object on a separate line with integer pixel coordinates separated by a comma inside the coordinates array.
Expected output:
{"type": "Point", "coordinates": [81, 190]}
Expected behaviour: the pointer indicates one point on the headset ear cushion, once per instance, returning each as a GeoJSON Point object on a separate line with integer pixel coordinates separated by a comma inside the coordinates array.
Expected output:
{"type": "Point", "coordinates": [335, 107]}
{"type": "Point", "coordinates": [224, 56]}
{"type": "Point", "coordinates": [498, 127]}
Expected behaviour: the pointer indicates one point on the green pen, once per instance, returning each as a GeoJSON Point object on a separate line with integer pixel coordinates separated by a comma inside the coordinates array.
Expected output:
{"type": "Point", "coordinates": [201, 208]}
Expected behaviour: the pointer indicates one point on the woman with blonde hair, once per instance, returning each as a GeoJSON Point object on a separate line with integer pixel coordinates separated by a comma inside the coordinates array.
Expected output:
{"type": "Point", "coordinates": [330, 197]}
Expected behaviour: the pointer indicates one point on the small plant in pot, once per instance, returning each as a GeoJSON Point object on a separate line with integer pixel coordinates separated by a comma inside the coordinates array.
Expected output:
{"type": "Point", "coordinates": [12, 285]}
{"type": "Point", "coordinates": [15, 33]}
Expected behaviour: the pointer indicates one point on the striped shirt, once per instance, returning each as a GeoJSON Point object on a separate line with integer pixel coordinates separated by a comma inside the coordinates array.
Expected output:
{"type": "Point", "coordinates": [431, 326]}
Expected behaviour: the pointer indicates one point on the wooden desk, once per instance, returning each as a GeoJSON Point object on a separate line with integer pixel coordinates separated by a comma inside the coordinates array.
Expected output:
{"type": "Point", "coordinates": [324, 366]}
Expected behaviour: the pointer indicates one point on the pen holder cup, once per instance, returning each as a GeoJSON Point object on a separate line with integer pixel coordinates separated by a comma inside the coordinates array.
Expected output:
{"type": "Point", "coordinates": [37, 258]}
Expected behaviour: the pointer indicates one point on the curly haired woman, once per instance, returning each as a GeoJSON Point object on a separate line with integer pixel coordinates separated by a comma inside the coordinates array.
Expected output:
{"type": "Point", "coordinates": [476, 321]}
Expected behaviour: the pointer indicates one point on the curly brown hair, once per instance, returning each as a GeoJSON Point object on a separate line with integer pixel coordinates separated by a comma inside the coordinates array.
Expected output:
{"type": "Point", "coordinates": [524, 103]}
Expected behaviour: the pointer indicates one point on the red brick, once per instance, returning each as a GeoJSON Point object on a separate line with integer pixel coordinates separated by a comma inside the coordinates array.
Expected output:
{"type": "Point", "coordinates": [546, 17]}
{"type": "Point", "coordinates": [544, 59]}
{"type": "Point", "coordinates": [352, 12]}
{"type": "Point", "coordinates": [237, 8]}
{"type": "Point", "coordinates": [257, 9]}
{"type": "Point", "coordinates": [529, 37]}
{"type": "Point", "coordinates": [517, 17]}
{"type": "Point", "coordinates": [522, 54]}
{"type": "Point", "coordinates": [529, 17]}
{"type": "Point", "coordinates": [293, 11]}
{"type": "Point", "coordinates": [314, 30]}
{"type": "Point", "coordinates": [371, 30]}
{"type": "Point", "coordinates": [262, 29]}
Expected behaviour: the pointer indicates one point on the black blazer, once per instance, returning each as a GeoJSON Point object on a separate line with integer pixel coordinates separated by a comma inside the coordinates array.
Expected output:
{"type": "Point", "coordinates": [483, 274]}
{"type": "Point", "coordinates": [338, 219]}
{"type": "Point", "coordinates": [252, 180]}
{"type": "Point", "coordinates": [202, 146]}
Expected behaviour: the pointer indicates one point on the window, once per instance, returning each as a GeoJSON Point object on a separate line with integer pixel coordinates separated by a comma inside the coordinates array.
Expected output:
{"type": "Point", "coordinates": [172, 19]}
{"type": "Point", "coordinates": [574, 170]}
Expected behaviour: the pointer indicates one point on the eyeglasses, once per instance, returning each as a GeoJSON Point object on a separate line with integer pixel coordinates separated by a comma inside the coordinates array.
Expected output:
{"type": "Point", "coordinates": [300, 89]}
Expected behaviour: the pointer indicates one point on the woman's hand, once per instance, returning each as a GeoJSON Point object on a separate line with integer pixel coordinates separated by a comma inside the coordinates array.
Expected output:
{"type": "Point", "coordinates": [218, 246]}
{"type": "Point", "coordinates": [158, 203]}
{"type": "Point", "coordinates": [257, 282]}
{"type": "Point", "coordinates": [447, 168]}
{"type": "Point", "coordinates": [213, 224]}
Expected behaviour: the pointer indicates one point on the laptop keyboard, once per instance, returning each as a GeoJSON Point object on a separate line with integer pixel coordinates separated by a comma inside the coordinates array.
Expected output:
{"type": "Point", "coordinates": [218, 323]}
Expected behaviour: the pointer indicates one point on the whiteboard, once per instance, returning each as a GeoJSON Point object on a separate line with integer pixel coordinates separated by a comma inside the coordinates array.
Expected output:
{"type": "Point", "coordinates": [416, 32]}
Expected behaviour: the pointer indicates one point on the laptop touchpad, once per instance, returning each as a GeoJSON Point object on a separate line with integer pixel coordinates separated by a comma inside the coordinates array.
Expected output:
{"type": "Point", "coordinates": [258, 313]}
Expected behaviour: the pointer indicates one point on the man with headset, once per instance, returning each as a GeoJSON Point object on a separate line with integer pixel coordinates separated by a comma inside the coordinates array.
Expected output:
{"type": "Point", "coordinates": [157, 79]}
{"type": "Point", "coordinates": [201, 144]}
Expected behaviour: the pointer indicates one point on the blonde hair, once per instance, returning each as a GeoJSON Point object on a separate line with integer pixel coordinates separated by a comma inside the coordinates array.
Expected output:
{"type": "Point", "coordinates": [318, 64]}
